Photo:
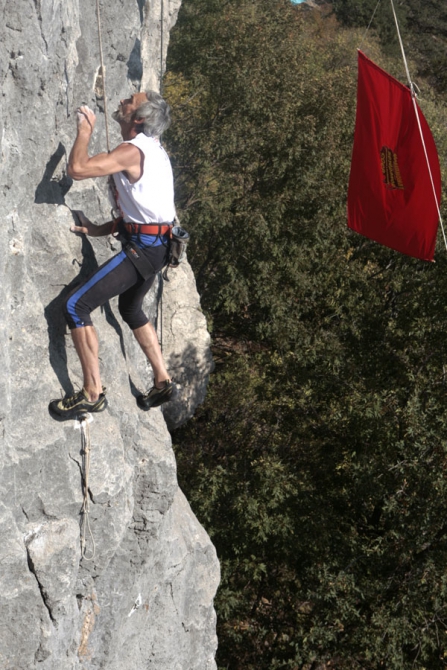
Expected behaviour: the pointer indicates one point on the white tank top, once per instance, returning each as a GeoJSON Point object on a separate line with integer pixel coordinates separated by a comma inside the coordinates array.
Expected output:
{"type": "Point", "coordinates": [151, 198]}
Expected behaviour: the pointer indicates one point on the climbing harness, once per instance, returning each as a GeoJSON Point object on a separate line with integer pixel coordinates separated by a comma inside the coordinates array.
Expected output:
{"type": "Point", "coordinates": [138, 255]}
{"type": "Point", "coordinates": [84, 420]}
{"type": "Point", "coordinates": [178, 242]}
{"type": "Point", "coordinates": [147, 228]}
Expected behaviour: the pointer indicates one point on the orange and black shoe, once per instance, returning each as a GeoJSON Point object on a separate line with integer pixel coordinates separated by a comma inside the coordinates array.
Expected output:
{"type": "Point", "coordinates": [157, 396]}
{"type": "Point", "coordinates": [73, 406]}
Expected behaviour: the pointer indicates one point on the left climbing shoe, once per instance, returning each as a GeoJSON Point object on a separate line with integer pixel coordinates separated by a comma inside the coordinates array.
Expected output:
{"type": "Point", "coordinates": [156, 397]}
{"type": "Point", "coordinates": [77, 404]}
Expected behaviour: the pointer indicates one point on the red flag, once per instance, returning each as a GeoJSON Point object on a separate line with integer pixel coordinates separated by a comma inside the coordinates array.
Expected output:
{"type": "Point", "coordinates": [391, 198]}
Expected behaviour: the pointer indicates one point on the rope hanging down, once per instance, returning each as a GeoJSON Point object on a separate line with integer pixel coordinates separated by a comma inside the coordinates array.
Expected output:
{"type": "Point", "coordinates": [85, 521]}
{"type": "Point", "coordinates": [103, 74]}
{"type": "Point", "coordinates": [162, 10]}
{"type": "Point", "coordinates": [415, 107]}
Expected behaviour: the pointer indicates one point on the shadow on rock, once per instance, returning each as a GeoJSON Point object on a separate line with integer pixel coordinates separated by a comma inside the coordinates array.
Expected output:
{"type": "Point", "coordinates": [50, 189]}
{"type": "Point", "coordinates": [134, 390]}
{"type": "Point", "coordinates": [190, 371]}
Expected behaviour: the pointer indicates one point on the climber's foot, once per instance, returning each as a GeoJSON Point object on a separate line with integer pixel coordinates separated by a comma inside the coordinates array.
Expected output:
{"type": "Point", "coordinates": [76, 404]}
{"type": "Point", "coordinates": [157, 396]}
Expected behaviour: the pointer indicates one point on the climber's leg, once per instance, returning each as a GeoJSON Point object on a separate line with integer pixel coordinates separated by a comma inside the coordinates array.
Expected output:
{"type": "Point", "coordinates": [148, 341]}
{"type": "Point", "coordinates": [86, 344]}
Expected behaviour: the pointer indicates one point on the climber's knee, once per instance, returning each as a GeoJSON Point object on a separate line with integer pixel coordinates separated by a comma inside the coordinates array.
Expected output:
{"type": "Point", "coordinates": [135, 318]}
{"type": "Point", "coordinates": [77, 314]}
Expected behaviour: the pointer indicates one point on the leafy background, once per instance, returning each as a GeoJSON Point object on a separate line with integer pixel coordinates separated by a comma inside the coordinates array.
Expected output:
{"type": "Point", "coordinates": [318, 461]}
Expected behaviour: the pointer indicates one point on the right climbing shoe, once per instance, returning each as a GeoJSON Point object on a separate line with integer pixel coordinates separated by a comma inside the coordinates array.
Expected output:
{"type": "Point", "coordinates": [76, 404]}
{"type": "Point", "coordinates": [156, 397]}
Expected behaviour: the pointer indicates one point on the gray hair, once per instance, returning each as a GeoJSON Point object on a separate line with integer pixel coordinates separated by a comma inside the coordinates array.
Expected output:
{"type": "Point", "coordinates": [155, 113]}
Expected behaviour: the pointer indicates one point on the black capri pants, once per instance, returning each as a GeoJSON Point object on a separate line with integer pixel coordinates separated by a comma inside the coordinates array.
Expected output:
{"type": "Point", "coordinates": [117, 276]}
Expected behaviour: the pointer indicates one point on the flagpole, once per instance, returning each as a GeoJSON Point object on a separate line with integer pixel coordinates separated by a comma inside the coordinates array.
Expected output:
{"type": "Point", "coordinates": [415, 107]}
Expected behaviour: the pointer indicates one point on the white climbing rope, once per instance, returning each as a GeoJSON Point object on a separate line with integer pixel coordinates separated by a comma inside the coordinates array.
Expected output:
{"type": "Point", "coordinates": [103, 73]}
{"type": "Point", "coordinates": [110, 181]}
{"type": "Point", "coordinates": [85, 521]}
{"type": "Point", "coordinates": [162, 11]}
{"type": "Point", "coordinates": [416, 111]}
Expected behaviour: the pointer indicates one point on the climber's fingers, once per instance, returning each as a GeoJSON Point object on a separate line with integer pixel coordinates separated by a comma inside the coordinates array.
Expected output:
{"type": "Point", "coordinates": [79, 229]}
{"type": "Point", "coordinates": [85, 116]}
{"type": "Point", "coordinates": [86, 225]}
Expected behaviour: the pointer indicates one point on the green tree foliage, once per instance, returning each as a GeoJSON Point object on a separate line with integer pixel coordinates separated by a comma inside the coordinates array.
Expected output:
{"type": "Point", "coordinates": [423, 25]}
{"type": "Point", "coordinates": [257, 152]}
{"type": "Point", "coordinates": [318, 462]}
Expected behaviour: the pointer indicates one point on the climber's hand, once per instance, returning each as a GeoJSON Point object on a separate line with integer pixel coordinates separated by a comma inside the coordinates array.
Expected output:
{"type": "Point", "coordinates": [86, 227]}
{"type": "Point", "coordinates": [86, 118]}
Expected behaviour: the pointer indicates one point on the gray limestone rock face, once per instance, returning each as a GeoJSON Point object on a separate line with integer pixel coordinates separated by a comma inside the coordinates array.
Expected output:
{"type": "Point", "coordinates": [138, 592]}
{"type": "Point", "coordinates": [186, 341]}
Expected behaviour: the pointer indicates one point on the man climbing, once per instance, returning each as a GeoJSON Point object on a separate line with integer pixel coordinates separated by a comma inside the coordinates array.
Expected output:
{"type": "Point", "coordinates": [145, 194]}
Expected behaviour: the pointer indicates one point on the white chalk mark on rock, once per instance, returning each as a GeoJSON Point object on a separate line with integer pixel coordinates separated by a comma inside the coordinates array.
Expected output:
{"type": "Point", "coordinates": [137, 604]}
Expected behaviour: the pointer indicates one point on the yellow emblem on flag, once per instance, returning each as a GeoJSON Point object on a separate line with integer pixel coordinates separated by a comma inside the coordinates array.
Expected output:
{"type": "Point", "coordinates": [390, 168]}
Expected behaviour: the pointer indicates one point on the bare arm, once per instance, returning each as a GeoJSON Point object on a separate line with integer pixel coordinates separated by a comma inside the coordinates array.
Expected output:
{"type": "Point", "coordinates": [89, 228]}
{"type": "Point", "coordinates": [125, 158]}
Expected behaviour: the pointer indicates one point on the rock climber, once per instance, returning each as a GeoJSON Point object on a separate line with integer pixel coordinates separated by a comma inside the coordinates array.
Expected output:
{"type": "Point", "coordinates": [143, 180]}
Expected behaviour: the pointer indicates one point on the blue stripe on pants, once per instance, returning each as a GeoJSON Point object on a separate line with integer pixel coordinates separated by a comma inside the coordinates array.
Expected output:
{"type": "Point", "coordinates": [98, 276]}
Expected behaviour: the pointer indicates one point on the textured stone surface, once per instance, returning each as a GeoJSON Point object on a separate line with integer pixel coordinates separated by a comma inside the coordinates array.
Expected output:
{"type": "Point", "coordinates": [145, 600]}
{"type": "Point", "coordinates": [186, 341]}
{"type": "Point", "coordinates": [159, 17]}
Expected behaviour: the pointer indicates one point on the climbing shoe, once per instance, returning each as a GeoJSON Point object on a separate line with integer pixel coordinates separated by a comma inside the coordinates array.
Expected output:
{"type": "Point", "coordinates": [156, 397]}
{"type": "Point", "coordinates": [74, 405]}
